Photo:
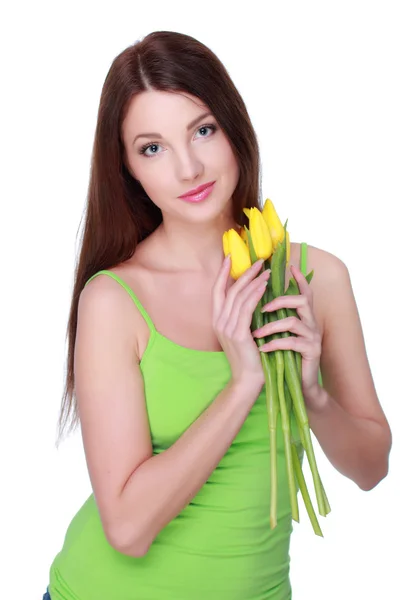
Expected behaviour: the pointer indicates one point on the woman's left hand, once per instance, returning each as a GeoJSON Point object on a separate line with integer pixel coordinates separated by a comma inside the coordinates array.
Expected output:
{"type": "Point", "coordinates": [308, 338]}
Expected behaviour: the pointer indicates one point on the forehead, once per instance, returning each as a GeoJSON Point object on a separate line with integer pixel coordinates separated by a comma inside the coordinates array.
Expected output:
{"type": "Point", "coordinates": [162, 111]}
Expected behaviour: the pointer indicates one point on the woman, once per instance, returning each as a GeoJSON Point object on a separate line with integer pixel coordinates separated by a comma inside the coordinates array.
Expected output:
{"type": "Point", "coordinates": [164, 374]}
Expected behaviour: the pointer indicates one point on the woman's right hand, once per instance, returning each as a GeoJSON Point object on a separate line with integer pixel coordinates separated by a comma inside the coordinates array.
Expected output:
{"type": "Point", "coordinates": [232, 315]}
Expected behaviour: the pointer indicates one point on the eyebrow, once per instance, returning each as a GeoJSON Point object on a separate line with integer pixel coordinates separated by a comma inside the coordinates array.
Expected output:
{"type": "Point", "coordinates": [191, 124]}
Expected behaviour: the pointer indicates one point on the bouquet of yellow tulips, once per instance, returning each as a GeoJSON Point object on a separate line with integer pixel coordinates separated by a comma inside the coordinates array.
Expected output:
{"type": "Point", "coordinates": [267, 239]}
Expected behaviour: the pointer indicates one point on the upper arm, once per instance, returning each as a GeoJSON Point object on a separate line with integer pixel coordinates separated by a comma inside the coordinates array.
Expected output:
{"type": "Point", "coordinates": [345, 368]}
{"type": "Point", "coordinates": [110, 394]}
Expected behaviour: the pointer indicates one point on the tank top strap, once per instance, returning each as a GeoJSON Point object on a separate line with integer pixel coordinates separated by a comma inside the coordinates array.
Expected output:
{"type": "Point", "coordinates": [303, 258]}
{"type": "Point", "coordinates": [132, 294]}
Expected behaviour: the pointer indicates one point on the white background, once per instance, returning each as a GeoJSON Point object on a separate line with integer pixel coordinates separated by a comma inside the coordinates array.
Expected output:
{"type": "Point", "coordinates": [321, 83]}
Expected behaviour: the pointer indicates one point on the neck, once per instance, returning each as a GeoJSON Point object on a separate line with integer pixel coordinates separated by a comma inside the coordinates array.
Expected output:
{"type": "Point", "coordinates": [196, 248]}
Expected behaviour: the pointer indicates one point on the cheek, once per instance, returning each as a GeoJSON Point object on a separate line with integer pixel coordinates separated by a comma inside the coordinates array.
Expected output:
{"type": "Point", "coordinates": [229, 164]}
{"type": "Point", "coordinates": [146, 171]}
{"type": "Point", "coordinates": [224, 157]}
{"type": "Point", "coordinates": [156, 179]}
{"type": "Point", "coordinates": [154, 186]}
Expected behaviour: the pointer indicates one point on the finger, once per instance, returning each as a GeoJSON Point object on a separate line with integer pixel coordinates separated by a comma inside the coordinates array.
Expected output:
{"type": "Point", "coordinates": [219, 288]}
{"type": "Point", "coordinates": [246, 310]}
{"type": "Point", "coordinates": [304, 286]}
{"type": "Point", "coordinates": [308, 350]}
{"type": "Point", "coordinates": [251, 294]}
{"type": "Point", "coordinates": [292, 324]}
{"type": "Point", "coordinates": [234, 303]}
{"type": "Point", "coordinates": [300, 303]}
{"type": "Point", "coordinates": [242, 283]}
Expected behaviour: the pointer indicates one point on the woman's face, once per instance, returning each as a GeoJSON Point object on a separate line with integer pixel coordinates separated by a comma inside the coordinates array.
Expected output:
{"type": "Point", "coordinates": [185, 149]}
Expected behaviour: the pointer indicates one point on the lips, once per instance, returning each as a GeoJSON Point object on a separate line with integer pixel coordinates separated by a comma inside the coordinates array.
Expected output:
{"type": "Point", "coordinates": [197, 190]}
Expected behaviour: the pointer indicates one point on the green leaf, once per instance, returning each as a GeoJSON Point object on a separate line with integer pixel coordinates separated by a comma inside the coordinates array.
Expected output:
{"type": "Point", "coordinates": [253, 256]}
{"type": "Point", "coordinates": [310, 276]}
{"type": "Point", "coordinates": [293, 288]}
{"type": "Point", "coordinates": [278, 268]}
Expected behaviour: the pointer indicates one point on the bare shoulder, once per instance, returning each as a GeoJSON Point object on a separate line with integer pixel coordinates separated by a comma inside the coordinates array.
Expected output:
{"type": "Point", "coordinates": [331, 287]}
{"type": "Point", "coordinates": [330, 274]}
{"type": "Point", "coordinates": [104, 305]}
{"type": "Point", "coordinates": [331, 278]}
{"type": "Point", "coordinates": [327, 266]}
{"type": "Point", "coordinates": [317, 258]}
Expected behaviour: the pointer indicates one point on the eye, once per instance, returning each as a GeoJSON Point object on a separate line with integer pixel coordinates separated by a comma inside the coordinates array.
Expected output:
{"type": "Point", "coordinates": [211, 126]}
{"type": "Point", "coordinates": [152, 145]}
{"type": "Point", "coordinates": [144, 148]}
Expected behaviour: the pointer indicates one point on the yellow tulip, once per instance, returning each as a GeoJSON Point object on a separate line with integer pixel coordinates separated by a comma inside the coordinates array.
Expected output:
{"type": "Point", "coordinates": [274, 223]}
{"type": "Point", "coordinates": [287, 247]}
{"type": "Point", "coordinates": [240, 256]}
{"type": "Point", "coordinates": [260, 234]}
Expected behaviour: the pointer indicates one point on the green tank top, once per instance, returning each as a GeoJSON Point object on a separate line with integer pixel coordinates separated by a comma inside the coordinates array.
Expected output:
{"type": "Point", "coordinates": [220, 547]}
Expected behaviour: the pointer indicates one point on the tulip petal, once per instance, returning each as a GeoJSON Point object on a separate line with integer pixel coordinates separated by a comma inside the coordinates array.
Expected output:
{"type": "Point", "coordinates": [236, 247]}
{"type": "Point", "coordinates": [260, 234]}
{"type": "Point", "coordinates": [247, 212]}
{"type": "Point", "coordinates": [274, 223]}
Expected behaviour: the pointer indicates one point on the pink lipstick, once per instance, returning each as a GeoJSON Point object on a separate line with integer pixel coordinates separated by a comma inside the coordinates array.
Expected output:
{"type": "Point", "coordinates": [198, 194]}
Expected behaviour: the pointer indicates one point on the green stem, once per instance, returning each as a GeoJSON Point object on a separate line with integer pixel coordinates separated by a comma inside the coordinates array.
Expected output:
{"type": "Point", "coordinates": [298, 358]}
{"type": "Point", "coordinates": [294, 385]}
{"type": "Point", "coordinates": [272, 411]}
{"type": "Point", "coordinates": [285, 416]}
{"type": "Point", "coordinates": [300, 477]}
{"type": "Point", "coordinates": [272, 403]}
{"type": "Point", "coordinates": [305, 437]}
{"type": "Point", "coordinates": [301, 482]}
{"type": "Point", "coordinates": [286, 434]}
{"type": "Point", "coordinates": [327, 505]}
{"type": "Point", "coordinates": [292, 369]}
{"type": "Point", "coordinates": [288, 397]}
{"type": "Point", "coordinates": [290, 312]}
{"type": "Point", "coordinates": [304, 491]}
{"type": "Point", "coordinates": [271, 398]}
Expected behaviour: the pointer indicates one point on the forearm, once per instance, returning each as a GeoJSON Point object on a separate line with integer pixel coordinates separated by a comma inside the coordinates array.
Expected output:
{"type": "Point", "coordinates": [164, 484]}
{"type": "Point", "coordinates": [357, 448]}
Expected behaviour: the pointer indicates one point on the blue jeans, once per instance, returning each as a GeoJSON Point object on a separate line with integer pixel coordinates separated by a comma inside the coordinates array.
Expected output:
{"type": "Point", "coordinates": [46, 595]}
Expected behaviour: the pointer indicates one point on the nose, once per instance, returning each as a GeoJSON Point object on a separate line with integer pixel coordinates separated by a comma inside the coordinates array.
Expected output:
{"type": "Point", "coordinates": [188, 166]}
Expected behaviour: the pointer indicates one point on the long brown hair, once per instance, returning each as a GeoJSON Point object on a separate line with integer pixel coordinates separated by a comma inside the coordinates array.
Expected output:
{"type": "Point", "coordinates": [118, 213]}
